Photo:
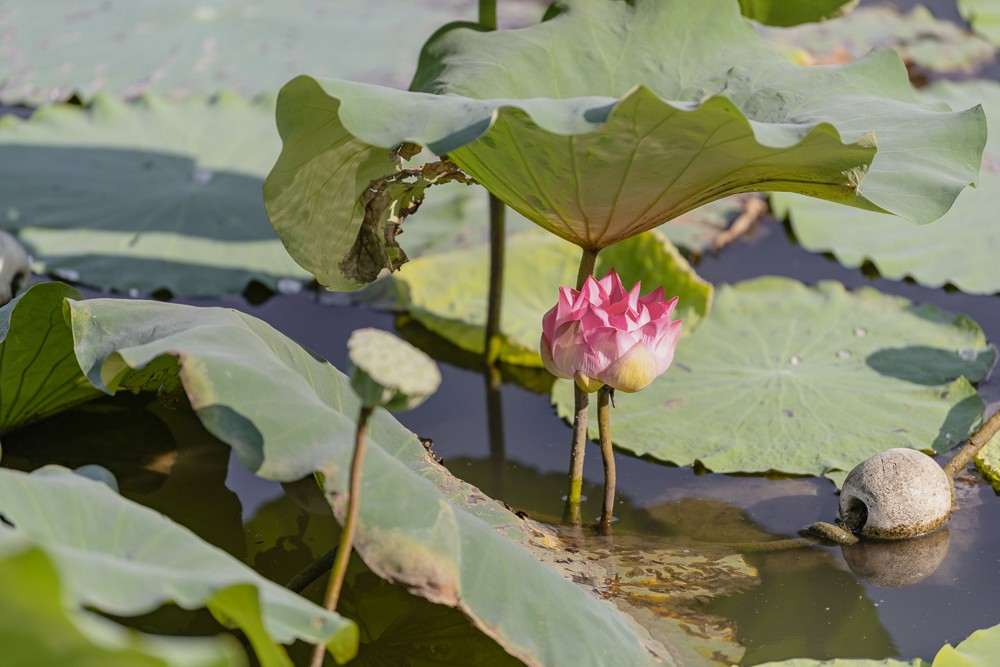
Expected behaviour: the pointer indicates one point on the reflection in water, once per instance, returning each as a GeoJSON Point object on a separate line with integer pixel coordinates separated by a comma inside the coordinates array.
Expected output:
{"type": "Point", "coordinates": [119, 434]}
{"type": "Point", "coordinates": [804, 606]}
{"type": "Point", "coordinates": [898, 563]}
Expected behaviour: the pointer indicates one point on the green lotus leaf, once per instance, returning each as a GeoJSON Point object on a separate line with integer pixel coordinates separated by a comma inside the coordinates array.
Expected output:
{"type": "Point", "coordinates": [846, 662]}
{"type": "Point", "coordinates": [806, 380]}
{"type": "Point", "coordinates": [447, 292]}
{"type": "Point", "coordinates": [145, 196]}
{"type": "Point", "coordinates": [189, 47]}
{"type": "Point", "coordinates": [781, 13]}
{"type": "Point", "coordinates": [124, 559]}
{"type": "Point", "coordinates": [33, 613]}
{"type": "Point", "coordinates": [978, 650]}
{"type": "Point", "coordinates": [39, 375]}
{"type": "Point", "coordinates": [983, 16]}
{"type": "Point", "coordinates": [988, 461]}
{"type": "Point", "coordinates": [289, 414]}
{"type": "Point", "coordinates": [918, 37]}
{"type": "Point", "coordinates": [600, 138]}
{"type": "Point", "coordinates": [960, 249]}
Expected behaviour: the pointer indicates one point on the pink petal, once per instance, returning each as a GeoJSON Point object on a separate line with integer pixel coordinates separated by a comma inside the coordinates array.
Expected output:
{"type": "Point", "coordinates": [545, 348]}
{"type": "Point", "coordinates": [632, 371]}
{"type": "Point", "coordinates": [570, 350]}
{"type": "Point", "coordinates": [608, 344]}
{"type": "Point", "coordinates": [664, 348]}
{"type": "Point", "coordinates": [612, 284]}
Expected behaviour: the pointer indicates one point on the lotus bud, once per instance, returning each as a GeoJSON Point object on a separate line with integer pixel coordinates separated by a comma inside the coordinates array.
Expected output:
{"type": "Point", "coordinates": [605, 335]}
{"type": "Point", "coordinates": [389, 372]}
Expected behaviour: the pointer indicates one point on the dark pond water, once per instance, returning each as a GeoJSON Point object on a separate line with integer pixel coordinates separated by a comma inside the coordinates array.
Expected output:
{"type": "Point", "coordinates": [808, 602]}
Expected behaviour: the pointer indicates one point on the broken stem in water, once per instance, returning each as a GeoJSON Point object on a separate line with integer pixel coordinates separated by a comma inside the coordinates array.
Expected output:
{"type": "Point", "coordinates": [581, 400]}
{"type": "Point", "coordinates": [350, 525]}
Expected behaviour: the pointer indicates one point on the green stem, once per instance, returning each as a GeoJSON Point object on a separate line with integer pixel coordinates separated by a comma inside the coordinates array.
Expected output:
{"type": "Point", "coordinates": [350, 525]}
{"type": "Point", "coordinates": [581, 402]}
{"type": "Point", "coordinates": [607, 453]}
{"type": "Point", "coordinates": [488, 13]}
{"type": "Point", "coordinates": [498, 241]}
{"type": "Point", "coordinates": [976, 442]}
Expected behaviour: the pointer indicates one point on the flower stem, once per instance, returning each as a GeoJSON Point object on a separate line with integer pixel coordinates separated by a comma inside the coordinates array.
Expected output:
{"type": "Point", "coordinates": [581, 402]}
{"type": "Point", "coordinates": [976, 442]}
{"type": "Point", "coordinates": [498, 242]}
{"type": "Point", "coordinates": [607, 453]}
{"type": "Point", "coordinates": [350, 525]}
{"type": "Point", "coordinates": [488, 13]}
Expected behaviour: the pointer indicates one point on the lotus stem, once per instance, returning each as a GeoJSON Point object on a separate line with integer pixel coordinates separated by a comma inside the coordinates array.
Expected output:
{"type": "Point", "coordinates": [488, 13]}
{"type": "Point", "coordinates": [339, 570]}
{"type": "Point", "coordinates": [498, 241]}
{"type": "Point", "coordinates": [608, 454]}
{"type": "Point", "coordinates": [976, 442]}
{"type": "Point", "coordinates": [581, 401]}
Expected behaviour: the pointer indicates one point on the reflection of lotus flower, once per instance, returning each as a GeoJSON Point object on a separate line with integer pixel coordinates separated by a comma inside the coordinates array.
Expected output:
{"type": "Point", "coordinates": [605, 335]}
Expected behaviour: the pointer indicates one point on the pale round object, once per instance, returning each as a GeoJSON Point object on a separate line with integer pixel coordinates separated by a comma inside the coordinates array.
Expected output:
{"type": "Point", "coordinates": [898, 493]}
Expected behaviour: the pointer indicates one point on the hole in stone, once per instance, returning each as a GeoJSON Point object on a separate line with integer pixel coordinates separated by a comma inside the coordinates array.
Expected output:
{"type": "Point", "coordinates": [855, 516]}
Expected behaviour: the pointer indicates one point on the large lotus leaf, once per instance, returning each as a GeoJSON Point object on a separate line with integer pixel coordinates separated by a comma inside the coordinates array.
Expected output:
{"type": "Point", "coordinates": [56, 48]}
{"type": "Point", "coordinates": [144, 196]}
{"type": "Point", "coordinates": [661, 108]}
{"type": "Point", "coordinates": [806, 380]}
{"type": "Point", "coordinates": [984, 16]}
{"type": "Point", "coordinates": [783, 13]}
{"type": "Point", "coordinates": [960, 249]}
{"type": "Point", "coordinates": [39, 375]}
{"type": "Point", "coordinates": [918, 37]}
{"type": "Point", "coordinates": [124, 559]}
{"type": "Point", "coordinates": [287, 413]}
{"type": "Point", "coordinates": [447, 292]}
{"type": "Point", "coordinates": [34, 617]}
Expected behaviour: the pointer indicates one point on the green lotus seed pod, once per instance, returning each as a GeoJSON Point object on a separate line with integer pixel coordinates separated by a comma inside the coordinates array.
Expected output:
{"type": "Point", "coordinates": [388, 372]}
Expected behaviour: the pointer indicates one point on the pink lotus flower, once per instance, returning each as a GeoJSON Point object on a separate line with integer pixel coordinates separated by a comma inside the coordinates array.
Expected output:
{"type": "Point", "coordinates": [603, 335]}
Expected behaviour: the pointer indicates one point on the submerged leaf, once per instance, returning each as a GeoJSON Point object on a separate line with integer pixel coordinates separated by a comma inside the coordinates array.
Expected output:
{"type": "Point", "coordinates": [960, 249]}
{"type": "Point", "coordinates": [806, 380]}
{"type": "Point", "coordinates": [125, 560]}
{"type": "Point", "coordinates": [599, 139]}
{"type": "Point", "coordinates": [447, 292]}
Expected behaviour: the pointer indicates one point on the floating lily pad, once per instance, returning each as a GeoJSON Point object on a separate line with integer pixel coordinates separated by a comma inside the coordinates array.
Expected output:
{"type": "Point", "coordinates": [980, 649]}
{"type": "Point", "coordinates": [806, 380]}
{"type": "Point", "coordinates": [984, 16]}
{"type": "Point", "coordinates": [145, 196]}
{"type": "Point", "coordinates": [988, 461]}
{"type": "Point", "coordinates": [32, 607]}
{"type": "Point", "coordinates": [185, 47]}
{"type": "Point", "coordinates": [447, 292]}
{"type": "Point", "coordinates": [125, 560]}
{"type": "Point", "coordinates": [917, 36]}
{"type": "Point", "coordinates": [589, 140]}
{"type": "Point", "coordinates": [960, 249]}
